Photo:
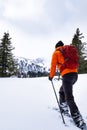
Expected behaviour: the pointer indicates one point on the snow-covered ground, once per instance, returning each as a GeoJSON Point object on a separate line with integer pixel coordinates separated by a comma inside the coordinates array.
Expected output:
{"type": "Point", "coordinates": [27, 104]}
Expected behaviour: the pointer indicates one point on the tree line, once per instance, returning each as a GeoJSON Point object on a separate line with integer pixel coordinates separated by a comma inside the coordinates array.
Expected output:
{"type": "Point", "coordinates": [9, 65]}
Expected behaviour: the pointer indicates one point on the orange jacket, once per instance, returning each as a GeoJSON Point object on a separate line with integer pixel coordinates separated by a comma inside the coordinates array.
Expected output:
{"type": "Point", "coordinates": [58, 58]}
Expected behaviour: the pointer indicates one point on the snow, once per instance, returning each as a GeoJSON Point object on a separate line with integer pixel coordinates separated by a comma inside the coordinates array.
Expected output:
{"type": "Point", "coordinates": [27, 104]}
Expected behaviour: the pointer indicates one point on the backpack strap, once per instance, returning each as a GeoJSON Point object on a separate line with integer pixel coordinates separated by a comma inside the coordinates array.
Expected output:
{"type": "Point", "coordinates": [65, 60]}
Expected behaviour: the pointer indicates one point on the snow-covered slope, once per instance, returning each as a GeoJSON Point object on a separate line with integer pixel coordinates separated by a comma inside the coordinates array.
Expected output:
{"type": "Point", "coordinates": [27, 104]}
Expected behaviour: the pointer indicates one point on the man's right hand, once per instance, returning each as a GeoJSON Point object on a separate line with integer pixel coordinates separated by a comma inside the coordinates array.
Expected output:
{"type": "Point", "coordinates": [50, 78]}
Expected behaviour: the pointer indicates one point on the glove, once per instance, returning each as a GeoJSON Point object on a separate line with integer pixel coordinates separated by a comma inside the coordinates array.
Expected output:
{"type": "Point", "coordinates": [50, 78]}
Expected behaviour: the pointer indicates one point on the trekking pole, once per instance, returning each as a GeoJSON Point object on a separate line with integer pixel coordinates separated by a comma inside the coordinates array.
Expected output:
{"type": "Point", "coordinates": [58, 102]}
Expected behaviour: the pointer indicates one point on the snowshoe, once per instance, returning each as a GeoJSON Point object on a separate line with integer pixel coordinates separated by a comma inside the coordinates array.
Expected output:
{"type": "Point", "coordinates": [79, 122]}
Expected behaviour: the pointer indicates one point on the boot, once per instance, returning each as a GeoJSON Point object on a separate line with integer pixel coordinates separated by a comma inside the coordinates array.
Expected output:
{"type": "Point", "coordinates": [78, 120]}
{"type": "Point", "coordinates": [64, 108]}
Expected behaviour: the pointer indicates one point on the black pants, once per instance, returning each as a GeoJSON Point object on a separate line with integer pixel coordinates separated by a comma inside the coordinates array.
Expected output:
{"type": "Point", "coordinates": [66, 91]}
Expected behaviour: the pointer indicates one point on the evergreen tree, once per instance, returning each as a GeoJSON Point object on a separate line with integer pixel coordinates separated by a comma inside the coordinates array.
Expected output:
{"type": "Point", "coordinates": [77, 41]}
{"type": "Point", "coordinates": [8, 64]}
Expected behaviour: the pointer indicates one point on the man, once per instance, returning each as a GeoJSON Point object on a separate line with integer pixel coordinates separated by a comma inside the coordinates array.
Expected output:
{"type": "Point", "coordinates": [69, 77]}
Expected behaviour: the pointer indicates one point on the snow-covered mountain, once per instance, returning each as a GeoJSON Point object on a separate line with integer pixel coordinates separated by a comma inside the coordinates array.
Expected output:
{"type": "Point", "coordinates": [31, 68]}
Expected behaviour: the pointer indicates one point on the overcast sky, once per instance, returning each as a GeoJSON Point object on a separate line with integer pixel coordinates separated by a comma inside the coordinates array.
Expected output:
{"type": "Point", "coordinates": [35, 26]}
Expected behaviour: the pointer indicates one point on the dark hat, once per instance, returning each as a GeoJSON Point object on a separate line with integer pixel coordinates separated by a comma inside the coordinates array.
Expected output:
{"type": "Point", "coordinates": [60, 43]}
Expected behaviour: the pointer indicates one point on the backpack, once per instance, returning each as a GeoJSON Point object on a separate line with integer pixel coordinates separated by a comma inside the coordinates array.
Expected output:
{"type": "Point", "coordinates": [71, 58]}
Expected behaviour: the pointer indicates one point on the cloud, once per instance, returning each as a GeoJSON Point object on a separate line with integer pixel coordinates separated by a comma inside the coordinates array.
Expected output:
{"type": "Point", "coordinates": [21, 9]}
{"type": "Point", "coordinates": [36, 25]}
{"type": "Point", "coordinates": [44, 17]}
{"type": "Point", "coordinates": [29, 15]}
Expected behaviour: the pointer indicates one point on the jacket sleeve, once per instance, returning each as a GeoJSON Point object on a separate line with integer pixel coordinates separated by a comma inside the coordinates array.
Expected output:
{"type": "Point", "coordinates": [53, 65]}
